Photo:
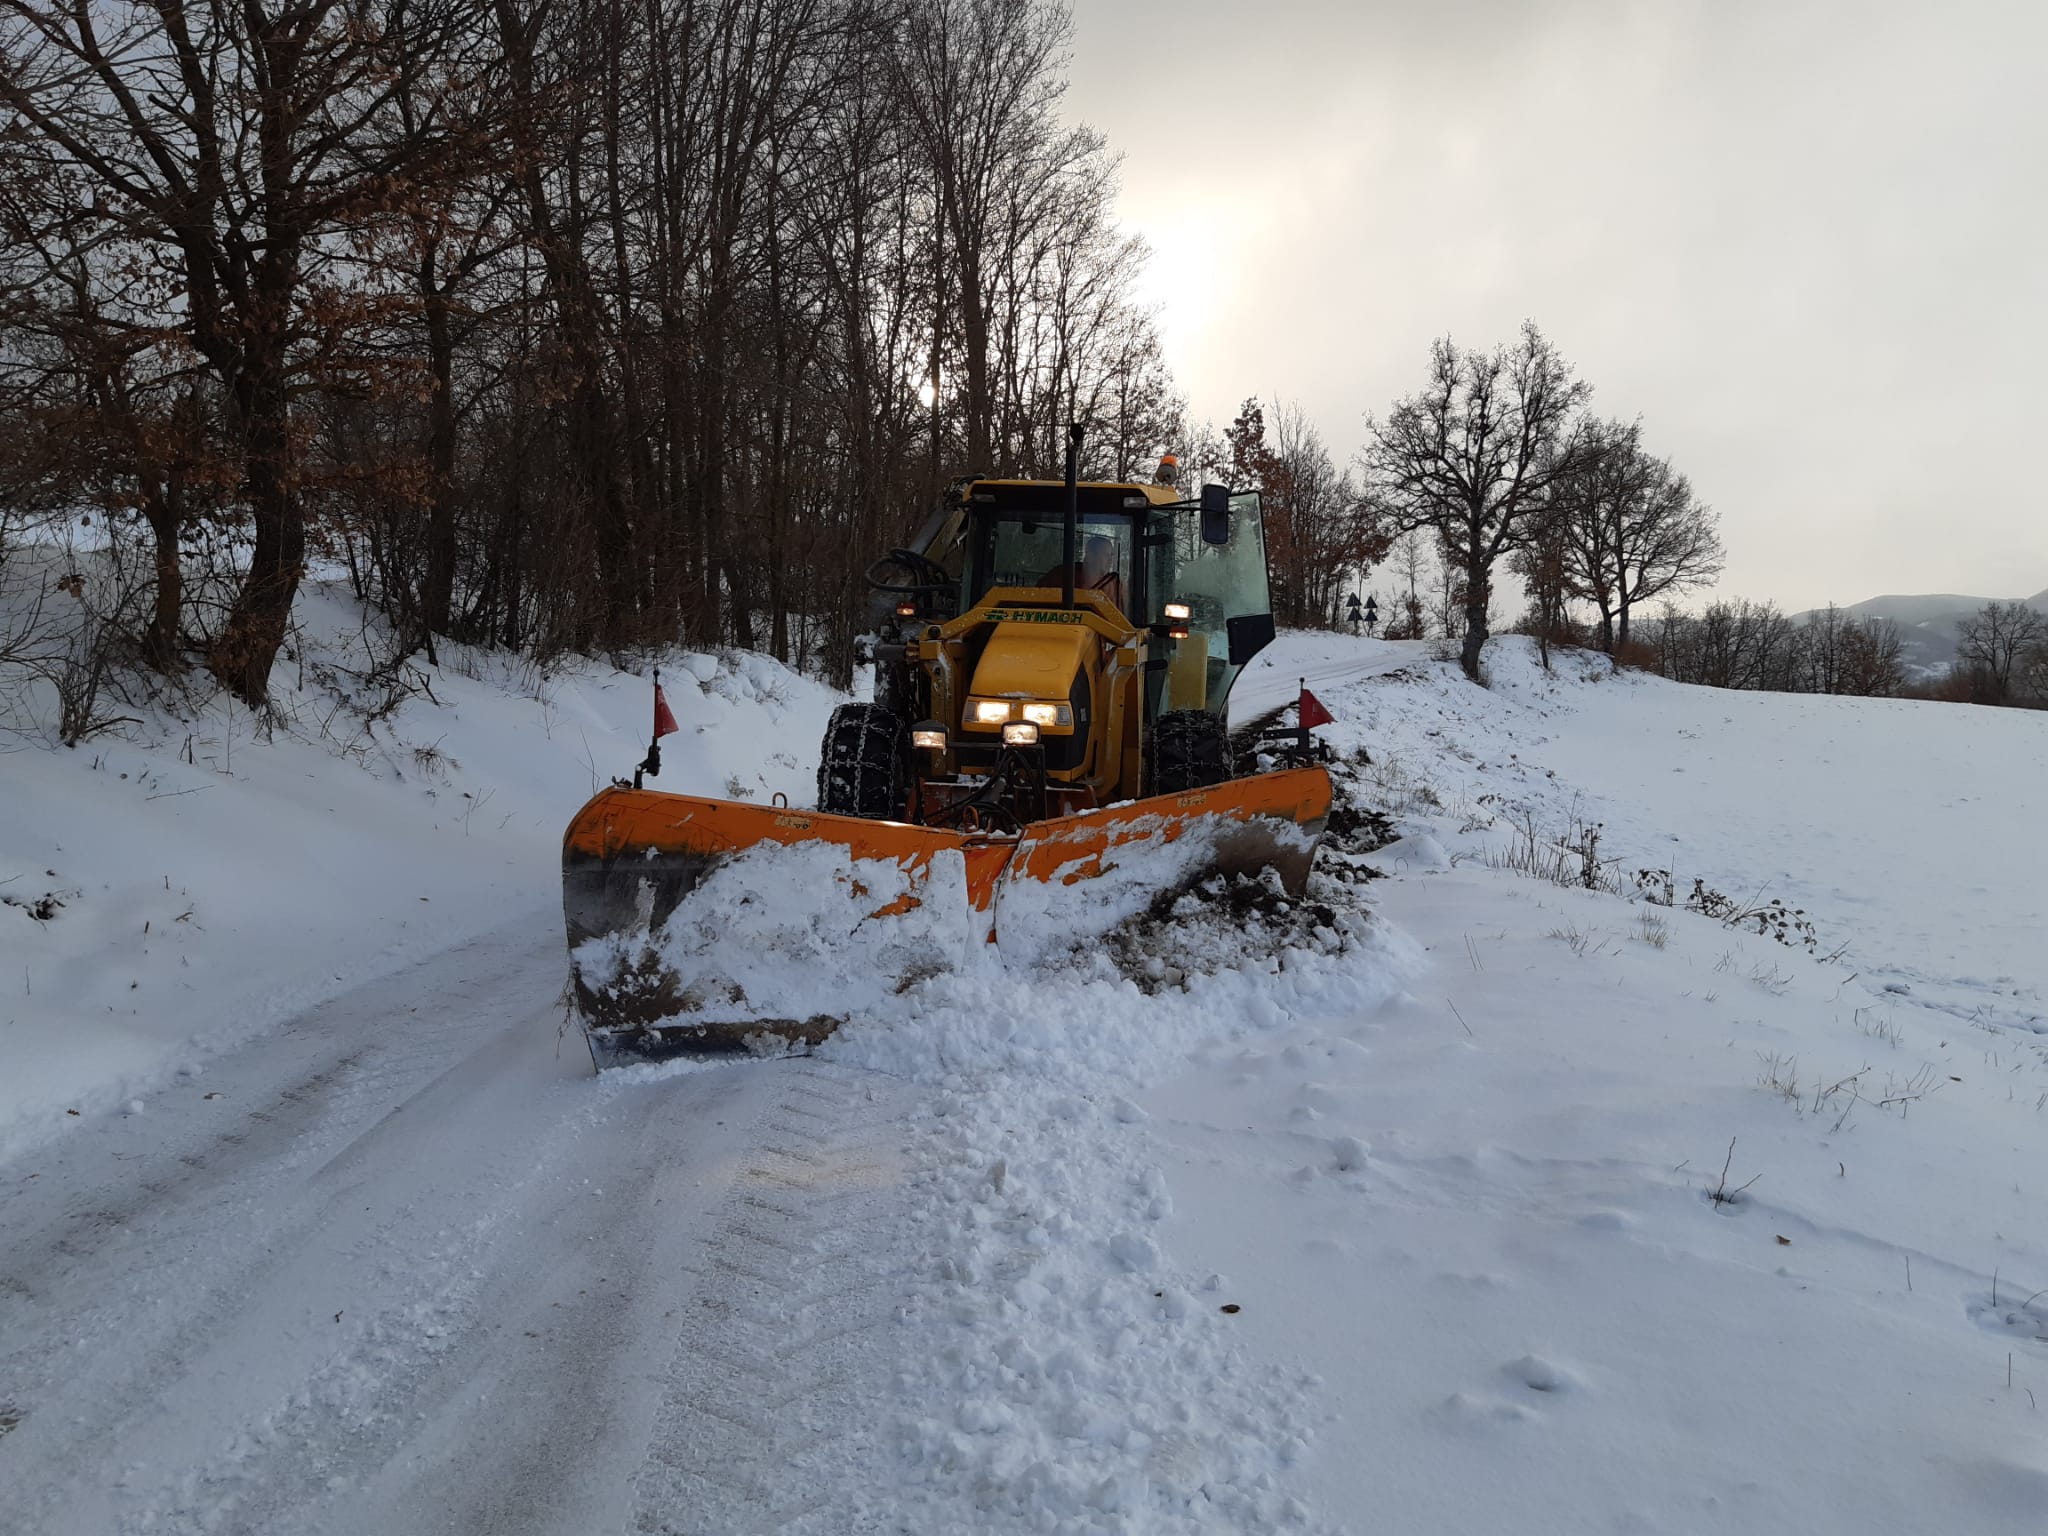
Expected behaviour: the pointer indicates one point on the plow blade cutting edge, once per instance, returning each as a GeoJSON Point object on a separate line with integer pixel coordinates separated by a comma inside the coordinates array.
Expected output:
{"type": "Point", "coordinates": [632, 857]}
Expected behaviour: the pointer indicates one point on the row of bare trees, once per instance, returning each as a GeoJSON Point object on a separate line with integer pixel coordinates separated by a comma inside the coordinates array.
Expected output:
{"type": "Point", "coordinates": [2001, 653]}
{"type": "Point", "coordinates": [1741, 644]}
{"type": "Point", "coordinates": [1318, 534]}
{"type": "Point", "coordinates": [1495, 467]}
{"type": "Point", "coordinates": [2001, 656]}
{"type": "Point", "coordinates": [558, 324]}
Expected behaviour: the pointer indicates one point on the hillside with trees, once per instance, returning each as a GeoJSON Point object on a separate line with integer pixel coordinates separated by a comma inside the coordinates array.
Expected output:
{"type": "Point", "coordinates": [1499, 472]}
{"type": "Point", "coordinates": [555, 328]}
{"type": "Point", "coordinates": [585, 330]}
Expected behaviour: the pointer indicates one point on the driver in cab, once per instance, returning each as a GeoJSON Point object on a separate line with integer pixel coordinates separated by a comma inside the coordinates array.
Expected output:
{"type": "Point", "coordinates": [1096, 572]}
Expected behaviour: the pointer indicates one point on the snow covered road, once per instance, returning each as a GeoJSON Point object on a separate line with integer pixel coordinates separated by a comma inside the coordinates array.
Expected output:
{"type": "Point", "coordinates": [1294, 660]}
{"type": "Point", "coordinates": [403, 1265]}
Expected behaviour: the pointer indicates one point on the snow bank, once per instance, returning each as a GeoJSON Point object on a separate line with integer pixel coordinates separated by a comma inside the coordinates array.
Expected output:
{"type": "Point", "coordinates": [792, 933]}
{"type": "Point", "coordinates": [175, 887]}
{"type": "Point", "coordinates": [1071, 1372]}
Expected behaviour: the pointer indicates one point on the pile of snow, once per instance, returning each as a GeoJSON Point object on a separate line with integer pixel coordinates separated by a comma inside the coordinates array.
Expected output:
{"type": "Point", "coordinates": [792, 933]}
{"type": "Point", "coordinates": [1070, 1373]}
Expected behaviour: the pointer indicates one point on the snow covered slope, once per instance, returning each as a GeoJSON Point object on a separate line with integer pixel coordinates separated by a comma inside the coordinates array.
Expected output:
{"type": "Point", "coordinates": [174, 892]}
{"type": "Point", "coordinates": [1484, 1216]}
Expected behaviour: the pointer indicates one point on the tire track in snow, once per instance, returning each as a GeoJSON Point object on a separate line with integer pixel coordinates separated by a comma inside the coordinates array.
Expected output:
{"type": "Point", "coordinates": [761, 1416]}
{"type": "Point", "coordinates": [140, 1244]}
{"type": "Point", "coordinates": [416, 1282]}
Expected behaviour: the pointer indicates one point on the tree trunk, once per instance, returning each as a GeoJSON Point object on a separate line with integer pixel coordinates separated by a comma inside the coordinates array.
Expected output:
{"type": "Point", "coordinates": [248, 643]}
{"type": "Point", "coordinates": [160, 639]}
{"type": "Point", "coordinates": [597, 452]}
{"type": "Point", "coordinates": [974, 342]}
{"type": "Point", "coordinates": [437, 598]}
{"type": "Point", "coordinates": [1475, 619]}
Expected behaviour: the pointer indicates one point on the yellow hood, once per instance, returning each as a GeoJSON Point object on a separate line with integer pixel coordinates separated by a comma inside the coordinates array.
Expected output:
{"type": "Point", "coordinates": [1036, 661]}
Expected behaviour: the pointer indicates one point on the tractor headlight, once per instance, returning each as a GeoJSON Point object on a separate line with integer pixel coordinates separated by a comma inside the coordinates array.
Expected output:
{"type": "Point", "coordinates": [1179, 611]}
{"type": "Point", "coordinates": [1020, 733]}
{"type": "Point", "coordinates": [928, 736]}
{"type": "Point", "coordinates": [992, 711]}
{"type": "Point", "coordinates": [1049, 714]}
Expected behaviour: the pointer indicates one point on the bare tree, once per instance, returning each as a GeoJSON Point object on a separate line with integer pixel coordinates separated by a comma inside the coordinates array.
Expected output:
{"type": "Point", "coordinates": [1993, 640]}
{"type": "Point", "coordinates": [112, 406]}
{"type": "Point", "coordinates": [1825, 644]}
{"type": "Point", "coordinates": [1476, 457]}
{"type": "Point", "coordinates": [1316, 528]}
{"type": "Point", "coordinates": [1873, 659]}
{"type": "Point", "coordinates": [244, 143]}
{"type": "Point", "coordinates": [1545, 565]}
{"type": "Point", "coordinates": [2030, 680]}
{"type": "Point", "coordinates": [980, 83]}
{"type": "Point", "coordinates": [1410, 558]}
{"type": "Point", "coordinates": [1635, 531]}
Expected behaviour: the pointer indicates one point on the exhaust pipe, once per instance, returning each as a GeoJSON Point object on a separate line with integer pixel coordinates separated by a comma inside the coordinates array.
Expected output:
{"type": "Point", "coordinates": [1073, 523]}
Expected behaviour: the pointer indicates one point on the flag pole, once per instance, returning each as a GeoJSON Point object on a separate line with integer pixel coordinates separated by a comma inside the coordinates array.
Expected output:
{"type": "Point", "coordinates": [651, 764]}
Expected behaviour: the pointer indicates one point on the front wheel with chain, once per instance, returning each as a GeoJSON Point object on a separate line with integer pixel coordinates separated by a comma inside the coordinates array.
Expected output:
{"type": "Point", "coordinates": [1190, 750]}
{"type": "Point", "coordinates": [864, 765]}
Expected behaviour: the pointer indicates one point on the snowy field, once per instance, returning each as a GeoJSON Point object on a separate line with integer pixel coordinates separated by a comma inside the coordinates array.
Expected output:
{"type": "Point", "coordinates": [1525, 1307]}
{"type": "Point", "coordinates": [1392, 1212]}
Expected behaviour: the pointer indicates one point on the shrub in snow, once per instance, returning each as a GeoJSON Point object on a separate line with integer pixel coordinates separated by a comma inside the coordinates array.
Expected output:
{"type": "Point", "coordinates": [1771, 919]}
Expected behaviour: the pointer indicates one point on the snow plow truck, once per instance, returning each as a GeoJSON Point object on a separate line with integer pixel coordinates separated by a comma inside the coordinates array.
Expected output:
{"type": "Point", "coordinates": [1053, 665]}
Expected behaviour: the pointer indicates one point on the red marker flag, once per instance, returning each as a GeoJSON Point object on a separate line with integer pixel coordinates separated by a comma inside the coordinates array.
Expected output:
{"type": "Point", "coordinates": [664, 718]}
{"type": "Point", "coordinates": [1312, 712]}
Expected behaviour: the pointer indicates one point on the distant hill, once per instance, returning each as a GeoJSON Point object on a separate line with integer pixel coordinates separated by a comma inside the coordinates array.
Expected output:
{"type": "Point", "coordinates": [1927, 623]}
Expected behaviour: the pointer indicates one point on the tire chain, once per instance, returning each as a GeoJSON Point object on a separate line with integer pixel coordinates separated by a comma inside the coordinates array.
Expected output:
{"type": "Point", "coordinates": [862, 744]}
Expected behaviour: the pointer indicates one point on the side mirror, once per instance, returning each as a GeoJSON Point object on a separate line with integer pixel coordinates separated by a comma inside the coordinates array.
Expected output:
{"type": "Point", "coordinates": [1248, 634]}
{"type": "Point", "coordinates": [1215, 514]}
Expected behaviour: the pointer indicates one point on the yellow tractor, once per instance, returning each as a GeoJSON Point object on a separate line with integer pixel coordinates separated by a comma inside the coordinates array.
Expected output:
{"type": "Point", "coordinates": [1051, 681]}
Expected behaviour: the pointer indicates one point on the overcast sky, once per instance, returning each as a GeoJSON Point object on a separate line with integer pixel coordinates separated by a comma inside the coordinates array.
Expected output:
{"type": "Point", "coordinates": [1802, 240]}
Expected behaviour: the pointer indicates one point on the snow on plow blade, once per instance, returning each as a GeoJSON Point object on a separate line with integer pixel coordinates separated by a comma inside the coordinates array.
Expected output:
{"type": "Point", "coordinates": [637, 865]}
{"type": "Point", "coordinates": [634, 858]}
{"type": "Point", "coordinates": [1269, 821]}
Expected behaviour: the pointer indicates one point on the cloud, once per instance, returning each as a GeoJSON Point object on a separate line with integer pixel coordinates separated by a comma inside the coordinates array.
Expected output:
{"type": "Point", "coordinates": [1799, 240]}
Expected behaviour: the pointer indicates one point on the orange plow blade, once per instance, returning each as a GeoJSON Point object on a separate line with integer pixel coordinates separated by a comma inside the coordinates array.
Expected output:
{"type": "Point", "coordinates": [1271, 820]}
{"type": "Point", "coordinates": [633, 859]}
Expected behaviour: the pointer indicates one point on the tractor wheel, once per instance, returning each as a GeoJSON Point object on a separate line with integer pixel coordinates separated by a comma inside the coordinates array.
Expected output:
{"type": "Point", "coordinates": [1190, 750]}
{"type": "Point", "coordinates": [864, 766]}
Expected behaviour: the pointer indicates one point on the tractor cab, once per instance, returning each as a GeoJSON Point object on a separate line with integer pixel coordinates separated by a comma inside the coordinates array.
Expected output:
{"type": "Point", "coordinates": [1195, 581]}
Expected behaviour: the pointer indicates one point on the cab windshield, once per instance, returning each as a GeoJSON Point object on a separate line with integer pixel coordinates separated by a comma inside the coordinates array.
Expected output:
{"type": "Point", "coordinates": [1026, 550]}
